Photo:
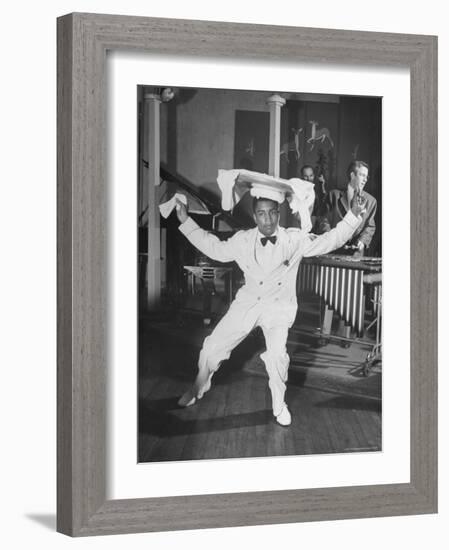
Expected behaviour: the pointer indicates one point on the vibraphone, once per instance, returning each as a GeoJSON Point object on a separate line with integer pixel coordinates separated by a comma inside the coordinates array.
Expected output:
{"type": "Point", "coordinates": [340, 282]}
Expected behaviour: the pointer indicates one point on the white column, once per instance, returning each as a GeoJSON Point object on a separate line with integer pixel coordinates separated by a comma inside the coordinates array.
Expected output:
{"type": "Point", "coordinates": [275, 103]}
{"type": "Point", "coordinates": [152, 127]}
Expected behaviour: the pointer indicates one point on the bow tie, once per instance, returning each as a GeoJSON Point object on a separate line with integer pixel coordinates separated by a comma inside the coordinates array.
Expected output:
{"type": "Point", "coordinates": [264, 240]}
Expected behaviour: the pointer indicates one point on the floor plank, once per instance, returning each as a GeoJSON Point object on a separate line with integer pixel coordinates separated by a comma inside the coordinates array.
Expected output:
{"type": "Point", "coordinates": [334, 408]}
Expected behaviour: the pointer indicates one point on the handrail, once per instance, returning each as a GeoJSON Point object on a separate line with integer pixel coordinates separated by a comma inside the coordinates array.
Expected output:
{"type": "Point", "coordinates": [213, 206]}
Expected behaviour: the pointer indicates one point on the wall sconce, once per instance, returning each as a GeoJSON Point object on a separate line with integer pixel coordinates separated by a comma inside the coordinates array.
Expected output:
{"type": "Point", "coordinates": [167, 94]}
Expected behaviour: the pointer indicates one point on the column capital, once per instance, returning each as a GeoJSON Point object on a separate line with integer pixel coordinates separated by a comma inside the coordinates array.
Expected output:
{"type": "Point", "coordinates": [154, 97]}
{"type": "Point", "coordinates": [276, 99]}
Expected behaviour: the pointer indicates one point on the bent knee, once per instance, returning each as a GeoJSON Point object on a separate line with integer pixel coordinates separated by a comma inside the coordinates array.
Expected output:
{"type": "Point", "coordinates": [211, 346]}
{"type": "Point", "coordinates": [212, 355]}
{"type": "Point", "coordinates": [277, 350]}
{"type": "Point", "coordinates": [276, 364]}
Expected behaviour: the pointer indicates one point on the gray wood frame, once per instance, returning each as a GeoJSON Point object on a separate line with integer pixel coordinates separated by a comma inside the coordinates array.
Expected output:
{"type": "Point", "coordinates": [83, 40]}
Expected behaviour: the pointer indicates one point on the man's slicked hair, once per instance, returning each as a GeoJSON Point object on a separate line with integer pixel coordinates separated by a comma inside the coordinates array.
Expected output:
{"type": "Point", "coordinates": [354, 165]}
{"type": "Point", "coordinates": [260, 199]}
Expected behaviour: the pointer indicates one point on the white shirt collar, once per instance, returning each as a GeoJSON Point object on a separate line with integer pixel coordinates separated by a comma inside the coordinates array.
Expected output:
{"type": "Point", "coordinates": [349, 193]}
{"type": "Point", "coordinates": [275, 234]}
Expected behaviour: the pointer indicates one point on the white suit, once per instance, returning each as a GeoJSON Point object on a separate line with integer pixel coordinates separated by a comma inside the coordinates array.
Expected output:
{"type": "Point", "coordinates": [268, 297]}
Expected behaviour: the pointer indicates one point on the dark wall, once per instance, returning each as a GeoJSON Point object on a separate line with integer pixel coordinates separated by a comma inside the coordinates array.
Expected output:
{"type": "Point", "coordinates": [346, 128]}
{"type": "Point", "coordinates": [204, 130]}
{"type": "Point", "coordinates": [361, 138]}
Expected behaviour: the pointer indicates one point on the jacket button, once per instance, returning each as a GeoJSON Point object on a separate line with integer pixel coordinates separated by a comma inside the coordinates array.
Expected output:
{"type": "Point", "coordinates": [279, 284]}
{"type": "Point", "coordinates": [261, 283]}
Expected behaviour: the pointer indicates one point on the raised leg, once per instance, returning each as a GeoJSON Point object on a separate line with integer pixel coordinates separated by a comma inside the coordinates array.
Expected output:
{"type": "Point", "coordinates": [217, 347]}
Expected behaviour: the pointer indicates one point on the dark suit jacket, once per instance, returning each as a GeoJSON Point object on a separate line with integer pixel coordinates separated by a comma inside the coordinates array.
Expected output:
{"type": "Point", "coordinates": [336, 207]}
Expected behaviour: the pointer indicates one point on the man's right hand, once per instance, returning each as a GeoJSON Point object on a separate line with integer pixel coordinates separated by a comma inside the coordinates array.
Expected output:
{"type": "Point", "coordinates": [181, 211]}
{"type": "Point", "coordinates": [358, 204]}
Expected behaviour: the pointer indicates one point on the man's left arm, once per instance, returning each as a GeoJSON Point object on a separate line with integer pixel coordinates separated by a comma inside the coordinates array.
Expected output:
{"type": "Point", "coordinates": [333, 239]}
{"type": "Point", "coordinates": [341, 233]}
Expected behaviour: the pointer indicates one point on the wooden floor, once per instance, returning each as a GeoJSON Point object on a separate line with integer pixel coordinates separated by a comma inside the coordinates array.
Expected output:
{"type": "Point", "coordinates": [334, 409]}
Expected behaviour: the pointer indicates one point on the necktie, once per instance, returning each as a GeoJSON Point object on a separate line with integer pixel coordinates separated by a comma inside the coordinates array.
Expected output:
{"type": "Point", "coordinates": [264, 240]}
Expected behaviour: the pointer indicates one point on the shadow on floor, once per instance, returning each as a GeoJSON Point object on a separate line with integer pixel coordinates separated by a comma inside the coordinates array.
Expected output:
{"type": "Point", "coordinates": [159, 418]}
{"type": "Point", "coordinates": [46, 520]}
{"type": "Point", "coordinates": [353, 403]}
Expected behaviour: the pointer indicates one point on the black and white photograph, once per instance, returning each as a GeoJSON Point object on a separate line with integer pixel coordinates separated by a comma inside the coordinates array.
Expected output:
{"type": "Point", "coordinates": [259, 222]}
{"type": "Point", "coordinates": [220, 307]}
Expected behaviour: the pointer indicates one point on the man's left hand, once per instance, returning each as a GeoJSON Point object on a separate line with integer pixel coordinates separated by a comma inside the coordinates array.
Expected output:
{"type": "Point", "coordinates": [360, 250]}
{"type": "Point", "coordinates": [358, 204]}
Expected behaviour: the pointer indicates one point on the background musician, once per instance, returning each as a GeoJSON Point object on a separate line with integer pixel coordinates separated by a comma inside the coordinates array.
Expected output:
{"type": "Point", "coordinates": [337, 203]}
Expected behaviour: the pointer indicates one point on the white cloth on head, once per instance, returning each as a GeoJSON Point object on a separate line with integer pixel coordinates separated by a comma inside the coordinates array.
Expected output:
{"type": "Point", "coordinates": [261, 191]}
{"type": "Point", "coordinates": [226, 181]}
{"type": "Point", "coordinates": [166, 208]}
{"type": "Point", "coordinates": [300, 194]}
{"type": "Point", "coordinates": [301, 201]}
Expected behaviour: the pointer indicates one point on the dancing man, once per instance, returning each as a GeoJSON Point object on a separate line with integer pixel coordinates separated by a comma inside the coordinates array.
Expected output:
{"type": "Point", "coordinates": [269, 257]}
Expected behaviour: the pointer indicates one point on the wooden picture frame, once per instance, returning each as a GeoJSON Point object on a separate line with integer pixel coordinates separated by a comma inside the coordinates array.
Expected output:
{"type": "Point", "coordinates": [83, 40]}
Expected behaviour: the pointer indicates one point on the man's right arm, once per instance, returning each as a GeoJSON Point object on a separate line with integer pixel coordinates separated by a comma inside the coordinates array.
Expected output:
{"type": "Point", "coordinates": [207, 243]}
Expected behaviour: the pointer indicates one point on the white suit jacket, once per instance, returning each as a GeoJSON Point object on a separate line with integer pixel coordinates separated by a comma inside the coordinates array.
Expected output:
{"type": "Point", "coordinates": [273, 292]}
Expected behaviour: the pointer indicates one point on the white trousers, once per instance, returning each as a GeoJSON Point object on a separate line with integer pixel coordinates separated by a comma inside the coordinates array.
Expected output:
{"type": "Point", "coordinates": [228, 333]}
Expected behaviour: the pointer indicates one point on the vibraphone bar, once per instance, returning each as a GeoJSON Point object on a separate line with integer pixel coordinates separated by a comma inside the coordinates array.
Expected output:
{"type": "Point", "coordinates": [339, 280]}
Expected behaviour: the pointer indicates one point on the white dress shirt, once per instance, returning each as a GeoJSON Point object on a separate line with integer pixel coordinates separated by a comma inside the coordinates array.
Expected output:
{"type": "Point", "coordinates": [270, 255]}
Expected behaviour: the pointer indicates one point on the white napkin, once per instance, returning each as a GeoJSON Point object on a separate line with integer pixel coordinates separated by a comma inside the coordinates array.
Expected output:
{"type": "Point", "coordinates": [166, 208]}
{"type": "Point", "coordinates": [301, 201]}
{"type": "Point", "coordinates": [300, 194]}
{"type": "Point", "coordinates": [226, 181]}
